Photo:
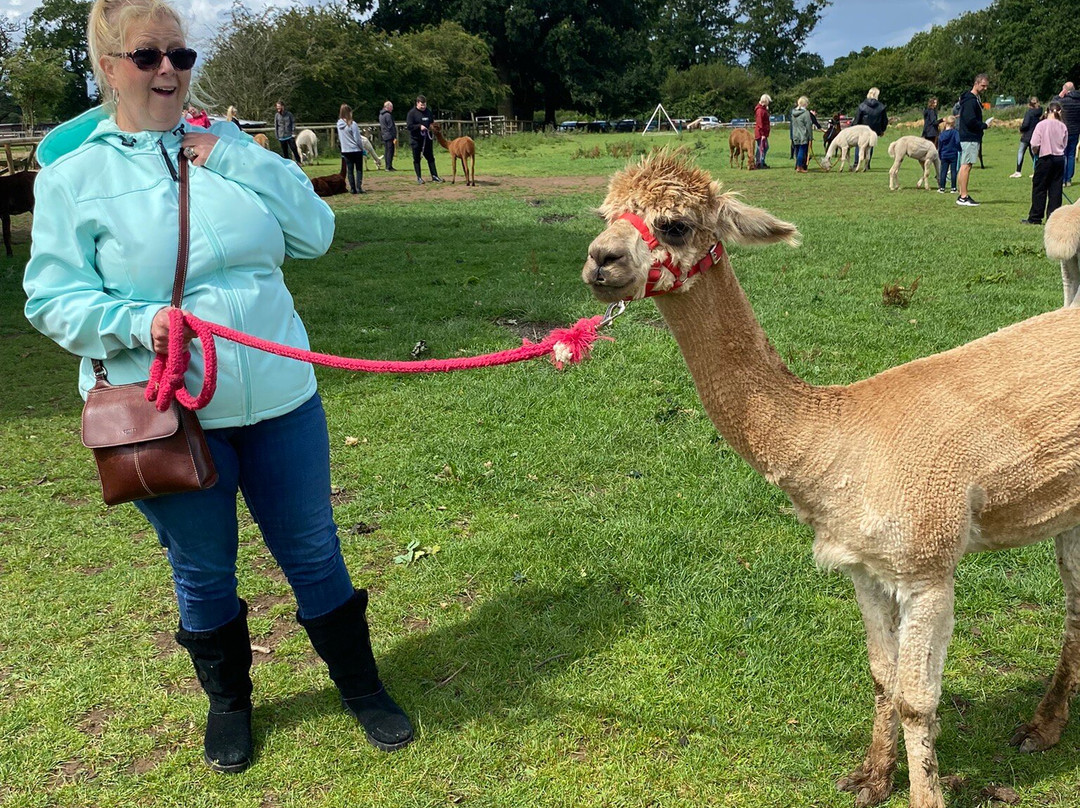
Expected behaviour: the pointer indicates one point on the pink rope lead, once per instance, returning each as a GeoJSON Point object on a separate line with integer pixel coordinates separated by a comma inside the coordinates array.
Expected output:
{"type": "Point", "coordinates": [567, 345]}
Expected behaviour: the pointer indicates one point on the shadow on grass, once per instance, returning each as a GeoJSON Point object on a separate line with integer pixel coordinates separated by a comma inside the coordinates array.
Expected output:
{"type": "Point", "coordinates": [489, 664]}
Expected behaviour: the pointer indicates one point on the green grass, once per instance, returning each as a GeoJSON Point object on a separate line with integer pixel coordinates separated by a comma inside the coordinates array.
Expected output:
{"type": "Point", "coordinates": [621, 613]}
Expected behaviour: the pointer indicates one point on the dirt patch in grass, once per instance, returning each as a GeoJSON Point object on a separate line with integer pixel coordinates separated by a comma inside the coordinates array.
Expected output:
{"type": "Point", "coordinates": [151, 759]}
{"type": "Point", "coordinates": [94, 722]}
{"type": "Point", "coordinates": [70, 771]}
{"type": "Point", "coordinates": [401, 186]}
{"type": "Point", "coordinates": [416, 624]}
{"type": "Point", "coordinates": [526, 330]}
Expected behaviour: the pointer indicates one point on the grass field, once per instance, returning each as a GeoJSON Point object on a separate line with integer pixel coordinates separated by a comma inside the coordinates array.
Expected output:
{"type": "Point", "coordinates": [620, 611]}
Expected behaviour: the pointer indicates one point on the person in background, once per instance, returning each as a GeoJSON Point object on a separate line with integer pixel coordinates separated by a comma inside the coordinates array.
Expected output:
{"type": "Point", "coordinates": [1031, 117]}
{"type": "Point", "coordinates": [931, 127]}
{"type": "Point", "coordinates": [802, 129]}
{"type": "Point", "coordinates": [418, 122]}
{"type": "Point", "coordinates": [971, 126]}
{"type": "Point", "coordinates": [232, 115]}
{"type": "Point", "coordinates": [832, 130]}
{"type": "Point", "coordinates": [1070, 114]}
{"type": "Point", "coordinates": [352, 149]}
{"type": "Point", "coordinates": [871, 112]}
{"type": "Point", "coordinates": [99, 282]}
{"type": "Point", "coordinates": [948, 152]}
{"type": "Point", "coordinates": [762, 127]}
{"type": "Point", "coordinates": [197, 117]}
{"type": "Point", "coordinates": [285, 131]}
{"type": "Point", "coordinates": [388, 133]}
{"type": "Point", "coordinates": [1048, 143]}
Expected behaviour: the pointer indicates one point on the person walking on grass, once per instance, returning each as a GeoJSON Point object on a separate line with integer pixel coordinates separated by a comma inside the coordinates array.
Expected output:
{"type": "Point", "coordinates": [352, 149]}
{"type": "Point", "coordinates": [388, 134]}
{"type": "Point", "coordinates": [1070, 115]}
{"type": "Point", "coordinates": [948, 152]}
{"type": "Point", "coordinates": [1048, 144]}
{"type": "Point", "coordinates": [971, 126]}
{"type": "Point", "coordinates": [931, 128]}
{"type": "Point", "coordinates": [285, 131]}
{"type": "Point", "coordinates": [871, 112]}
{"type": "Point", "coordinates": [802, 129]}
{"type": "Point", "coordinates": [98, 282]}
{"type": "Point", "coordinates": [1031, 118]}
{"type": "Point", "coordinates": [762, 127]}
{"type": "Point", "coordinates": [418, 122]}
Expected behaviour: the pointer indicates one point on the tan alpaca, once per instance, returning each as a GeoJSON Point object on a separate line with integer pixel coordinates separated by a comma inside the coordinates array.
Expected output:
{"type": "Point", "coordinates": [862, 136]}
{"type": "Point", "coordinates": [900, 475]}
{"type": "Point", "coordinates": [460, 148]}
{"type": "Point", "coordinates": [919, 149]}
{"type": "Point", "coordinates": [741, 147]}
{"type": "Point", "coordinates": [1061, 237]}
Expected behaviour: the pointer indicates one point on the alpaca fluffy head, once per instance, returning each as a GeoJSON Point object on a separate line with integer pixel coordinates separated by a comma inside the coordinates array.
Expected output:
{"type": "Point", "coordinates": [688, 213]}
{"type": "Point", "coordinates": [1061, 237]}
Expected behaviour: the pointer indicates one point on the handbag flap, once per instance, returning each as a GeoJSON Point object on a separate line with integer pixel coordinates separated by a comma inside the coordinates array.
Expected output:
{"type": "Point", "coordinates": [118, 415]}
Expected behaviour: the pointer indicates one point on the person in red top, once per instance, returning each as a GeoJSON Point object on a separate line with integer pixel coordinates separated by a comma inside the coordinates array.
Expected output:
{"type": "Point", "coordinates": [761, 131]}
{"type": "Point", "coordinates": [197, 117]}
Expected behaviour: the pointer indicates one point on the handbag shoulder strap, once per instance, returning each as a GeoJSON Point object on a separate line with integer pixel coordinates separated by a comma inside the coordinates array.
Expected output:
{"type": "Point", "coordinates": [180, 278]}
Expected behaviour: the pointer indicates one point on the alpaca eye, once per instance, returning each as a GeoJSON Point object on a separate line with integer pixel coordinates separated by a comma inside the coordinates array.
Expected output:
{"type": "Point", "coordinates": [674, 231]}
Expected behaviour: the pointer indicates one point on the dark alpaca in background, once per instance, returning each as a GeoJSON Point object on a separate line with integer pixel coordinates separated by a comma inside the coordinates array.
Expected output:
{"type": "Point", "coordinates": [331, 184]}
{"type": "Point", "coordinates": [16, 196]}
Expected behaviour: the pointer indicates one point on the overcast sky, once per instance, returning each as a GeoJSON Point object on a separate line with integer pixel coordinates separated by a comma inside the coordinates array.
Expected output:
{"type": "Point", "coordinates": [847, 25]}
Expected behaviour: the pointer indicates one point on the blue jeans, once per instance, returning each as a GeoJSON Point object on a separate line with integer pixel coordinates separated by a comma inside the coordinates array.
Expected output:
{"type": "Point", "coordinates": [801, 150]}
{"type": "Point", "coordinates": [949, 165]}
{"type": "Point", "coordinates": [282, 468]}
{"type": "Point", "coordinates": [761, 148]}
{"type": "Point", "coordinates": [1070, 156]}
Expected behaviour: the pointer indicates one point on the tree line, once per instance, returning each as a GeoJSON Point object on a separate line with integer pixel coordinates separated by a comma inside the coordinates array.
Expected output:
{"type": "Point", "coordinates": [534, 58]}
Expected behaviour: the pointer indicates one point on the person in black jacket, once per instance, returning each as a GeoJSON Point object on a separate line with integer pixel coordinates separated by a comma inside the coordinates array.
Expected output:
{"type": "Point", "coordinates": [931, 123]}
{"type": "Point", "coordinates": [1070, 114]}
{"type": "Point", "coordinates": [388, 134]}
{"type": "Point", "coordinates": [971, 126]}
{"type": "Point", "coordinates": [418, 122]}
{"type": "Point", "coordinates": [871, 113]}
{"type": "Point", "coordinates": [1027, 126]}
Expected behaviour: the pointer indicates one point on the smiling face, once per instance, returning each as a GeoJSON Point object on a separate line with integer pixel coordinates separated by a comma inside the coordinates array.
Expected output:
{"type": "Point", "coordinates": [148, 99]}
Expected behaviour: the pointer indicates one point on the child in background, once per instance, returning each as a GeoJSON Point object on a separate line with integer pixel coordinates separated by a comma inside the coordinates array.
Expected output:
{"type": "Point", "coordinates": [949, 152]}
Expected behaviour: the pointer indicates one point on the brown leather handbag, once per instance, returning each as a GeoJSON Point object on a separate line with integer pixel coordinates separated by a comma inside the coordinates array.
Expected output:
{"type": "Point", "coordinates": [141, 452]}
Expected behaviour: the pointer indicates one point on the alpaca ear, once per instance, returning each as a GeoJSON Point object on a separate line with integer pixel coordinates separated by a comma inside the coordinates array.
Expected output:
{"type": "Point", "coordinates": [744, 224]}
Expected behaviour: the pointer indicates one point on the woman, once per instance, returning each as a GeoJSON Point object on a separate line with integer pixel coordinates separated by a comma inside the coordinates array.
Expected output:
{"type": "Point", "coordinates": [233, 116]}
{"type": "Point", "coordinates": [802, 129]}
{"type": "Point", "coordinates": [931, 127]}
{"type": "Point", "coordinates": [352, 152]}
{"type": "Point", "coordinates": [1032, 116]}
{"type": "Point", "coordinates": [762, 127]}
{"type": "Point", "coordinates": [99, 281]}
{"type": "Point", "coordinates": [1048, 145]}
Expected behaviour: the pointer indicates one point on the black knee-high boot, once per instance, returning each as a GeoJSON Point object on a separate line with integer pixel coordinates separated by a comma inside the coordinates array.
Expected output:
{"type": "Point", "coordinates": [222, 660]}
{"type": "Point", "coordinates": [341, 638]}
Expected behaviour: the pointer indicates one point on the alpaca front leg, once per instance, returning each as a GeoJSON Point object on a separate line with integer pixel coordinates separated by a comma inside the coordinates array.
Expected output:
{"type": "Point", "coordinates": [926, 626]}
{"type": "Point", "coordinates": [1045, 728]}
{"type": "Point", "coordinates": [872, 782]}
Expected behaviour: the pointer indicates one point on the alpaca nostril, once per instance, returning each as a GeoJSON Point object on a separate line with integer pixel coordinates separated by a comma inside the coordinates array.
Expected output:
{"type": "Point", "coordinates": [599, 278]}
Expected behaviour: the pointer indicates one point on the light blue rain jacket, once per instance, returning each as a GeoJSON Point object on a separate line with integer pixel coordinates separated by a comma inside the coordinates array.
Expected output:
{"type": "Point", "coordinates": [105, 233]}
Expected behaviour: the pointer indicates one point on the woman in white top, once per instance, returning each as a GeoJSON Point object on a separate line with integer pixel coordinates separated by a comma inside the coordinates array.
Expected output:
{"type": "Point", "coordinates": [352, 152]}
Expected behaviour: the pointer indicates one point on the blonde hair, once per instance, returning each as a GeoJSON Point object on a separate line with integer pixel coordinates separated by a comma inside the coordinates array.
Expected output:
{"type": "Point", "coordinates": [765, 100]}
{"type": "Point", "coordinates": [949, 122]}
{"type": "Point", "coordinates": [345, 113]}
{"type": "Point", "coordinates": [106, 31]}
{"type": "Point", "coordinates": [803, 101]}
{"type": "Point", "coordinates": [873, 93]}
{"type": "Point", "coordinates": [231, 113]}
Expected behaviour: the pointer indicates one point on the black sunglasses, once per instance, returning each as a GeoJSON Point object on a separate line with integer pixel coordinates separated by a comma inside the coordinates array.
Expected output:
{"type": "Point", "coordinates": [150, 58]}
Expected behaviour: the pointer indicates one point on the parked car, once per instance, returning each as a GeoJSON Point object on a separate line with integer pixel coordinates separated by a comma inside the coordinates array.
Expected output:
{"type": "Point", "coordinates": [627, 125]}
{"type": "Point", "coordinates": [1004, 101]}
{"type": "Point", "coordinates": [777, 119]}
{"type": "Point", "coordinates": [739, 123]}
{"type": "Point", "coordinates": [708, 122]}
{"type": "Point", "coordinates": [845, 121]}
{"type": "Point", "coordinates": [597, 126]}
{"type": "Point", "coordinates": [568, 126]}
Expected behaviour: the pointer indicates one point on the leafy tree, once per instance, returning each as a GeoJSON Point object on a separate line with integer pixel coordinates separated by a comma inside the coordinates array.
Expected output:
{"type": "Point", "coordinates": [36, 82]}
{"type": "Point", "coordinates": [727, 91]}
{"type": "Point", "coordinates": [60, 26]}
{"type": "Point", "coordinates": [693, 32]}
{"type": "Point", "coordinates": [458, 75]}
{"type": "Point", "coordinates": [9, 30]}
{"type": "Point", "coordinates": [771, 35]}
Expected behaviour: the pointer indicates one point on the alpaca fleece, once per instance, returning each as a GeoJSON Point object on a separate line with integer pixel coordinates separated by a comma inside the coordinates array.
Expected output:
{"type": "Point", "coordinates": [900, 475]}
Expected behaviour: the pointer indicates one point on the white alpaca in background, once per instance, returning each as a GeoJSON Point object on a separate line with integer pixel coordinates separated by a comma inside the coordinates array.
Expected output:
{"type": "Point", "coordinates": [308, 145]}
{"type": "Point", "coordinates": [862, 136]}
{"type": "Point", "coordinates": [917, 148]}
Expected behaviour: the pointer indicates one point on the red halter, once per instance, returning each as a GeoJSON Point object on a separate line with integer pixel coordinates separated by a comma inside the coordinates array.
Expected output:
{"type": "Point", "coordinates": [656, 271]}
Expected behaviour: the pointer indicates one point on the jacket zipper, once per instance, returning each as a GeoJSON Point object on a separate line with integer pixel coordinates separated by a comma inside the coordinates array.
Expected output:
{"type": "Point", "coordinates": [168, 162]}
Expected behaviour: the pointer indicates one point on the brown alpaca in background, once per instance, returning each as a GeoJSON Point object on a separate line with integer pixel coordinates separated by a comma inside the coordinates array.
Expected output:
{"type": "Point", "coordinates": [741, 145]}
{"type": "Point", "coordinates": [460, 148]}
{"type": "Point", "coordinates": [331, 184]}
{"type": "Point", "coordinates": [16, 196]}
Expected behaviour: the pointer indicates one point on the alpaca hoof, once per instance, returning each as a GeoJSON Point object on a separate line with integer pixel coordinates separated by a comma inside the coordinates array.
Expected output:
{"type": "Point", "coordinates": [868, 787]}
{"type": "Point", "coordinates": [1032, 738]}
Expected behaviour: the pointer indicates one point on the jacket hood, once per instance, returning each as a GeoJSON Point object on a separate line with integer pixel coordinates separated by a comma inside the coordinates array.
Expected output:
{"type": "Point", "coordinates": [872, 103]}
{"type": "Point", "coordinates": [94, 124]}
{"type": "Point", "coordinates": [799, 112]}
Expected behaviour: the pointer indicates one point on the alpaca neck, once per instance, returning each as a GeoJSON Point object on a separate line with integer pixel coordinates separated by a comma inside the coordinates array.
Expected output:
{"type": "Point", "coordinates": [442, 140]}
{"type": "Point", "coordinates": [773, 419]}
